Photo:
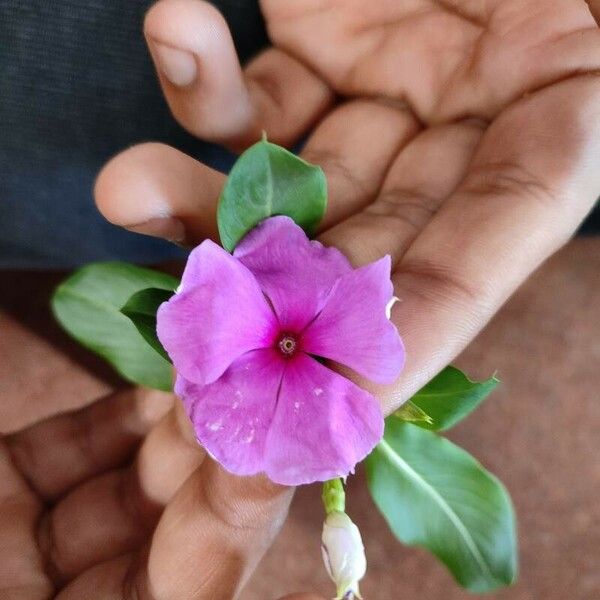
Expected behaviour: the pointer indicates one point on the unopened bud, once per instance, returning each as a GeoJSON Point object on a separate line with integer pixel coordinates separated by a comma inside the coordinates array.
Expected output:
{"type": "Point", "coordinates": [343, 554]}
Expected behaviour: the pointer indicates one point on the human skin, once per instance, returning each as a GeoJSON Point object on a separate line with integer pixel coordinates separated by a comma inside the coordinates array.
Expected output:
{"type": "Point", "coordinates": [117, 501]}
{"type": "Point", "coordinates": [460, 137]}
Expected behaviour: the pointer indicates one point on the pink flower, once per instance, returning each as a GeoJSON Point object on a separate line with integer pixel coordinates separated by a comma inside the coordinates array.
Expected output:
{"type": "Point", "coordinates": [246, 332]}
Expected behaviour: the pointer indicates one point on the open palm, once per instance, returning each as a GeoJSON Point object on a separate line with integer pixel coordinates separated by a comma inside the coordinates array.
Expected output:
{"type": "Point", "coordinates": [461, 137]}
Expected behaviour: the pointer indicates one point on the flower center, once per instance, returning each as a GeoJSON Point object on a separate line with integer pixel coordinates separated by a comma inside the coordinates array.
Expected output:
{"type": "Point", "coordinates": [287, 344]}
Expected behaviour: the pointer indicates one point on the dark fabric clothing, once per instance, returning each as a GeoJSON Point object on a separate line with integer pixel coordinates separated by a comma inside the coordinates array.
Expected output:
{"type": "Point", "coordinates": [591, 226]}
{"type": "Point", "coordinates": [77, 86]}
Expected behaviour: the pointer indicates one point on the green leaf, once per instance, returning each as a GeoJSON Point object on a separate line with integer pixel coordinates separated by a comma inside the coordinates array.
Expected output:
{"type": "Point", "coordinates": [411, 413]}
{"type": "Point", "coordinates": [141, 309]}
{"type": "Point", "coordinates": [268, 180]}
{"type": "Point", "coordinates": [88, 305]}
{"type": "Point", "coordinates": [449, 397]}
{"type": "Point", "coordinates": [434, 494]}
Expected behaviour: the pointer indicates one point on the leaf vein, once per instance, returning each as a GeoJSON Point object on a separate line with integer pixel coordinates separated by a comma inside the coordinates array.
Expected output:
{"type": "Point", "coordinates": [443, 504]}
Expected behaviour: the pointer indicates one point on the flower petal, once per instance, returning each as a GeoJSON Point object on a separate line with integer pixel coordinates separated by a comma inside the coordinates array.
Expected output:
{"type": "Point", "coordinates": [232, 416]}
{"type": "Point", "coordinates": [220, 314]}
{"type": "Point", "coordinates": [294, 272]}
{"type": "Point", "coordinates": [353, 328]}
{"type": "Point", "coordinates": [323, 426]}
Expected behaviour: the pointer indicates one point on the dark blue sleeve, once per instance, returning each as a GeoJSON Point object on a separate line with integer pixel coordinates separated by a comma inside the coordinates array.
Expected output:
{"type": "Point", "coordinates": [76, 87]}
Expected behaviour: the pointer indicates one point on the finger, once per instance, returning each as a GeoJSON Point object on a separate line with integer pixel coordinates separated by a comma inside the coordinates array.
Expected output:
{"type": "Point", "coordinates": [105, 581]}
{"type": "Point", "coordinates": [527, 190]}
{"type": "Point", "coordinates": [423, 175]}
{"type": "Point", "coordinates": [212, 535]}
{"type": "Point", "coordinates": [156, 190]}
{"type": "Point", "coordinates": [58, 453]}
{"type": "Point", "coordinates": [114, 513]}
{"type": "Point", "coordinates": [168, 456]}
{"type": "Point", "coordinates": [113, 580]}
{"type": "Point", "coordinates": [21, 568]}
{"type": "Point", "coordinates": [594, 6]}
{"type": "Point", "coordinates": [206, 545]}
{"type": "Point", "coordinates": [303, 597]}
{"type": "Point", "coordinates": [286, 96]}
{"type": "Point", "coordinates": [206, 89]}
{"type": "Point", "coordinates": [355, 145]}
{"type": "Point", "coordinates": [105, 517]}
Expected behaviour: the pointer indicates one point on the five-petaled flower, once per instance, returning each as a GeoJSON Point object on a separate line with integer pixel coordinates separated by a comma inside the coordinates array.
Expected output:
{"type": "Point", "coordinates": [248, 333]}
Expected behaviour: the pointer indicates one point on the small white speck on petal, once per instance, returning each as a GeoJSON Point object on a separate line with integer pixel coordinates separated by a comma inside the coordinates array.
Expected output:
{"type": "Point", "coordinates": [390, 304]}
{"type": "Point", "coordinates": [215, 426]}
{"type": "Point", "coordinates": [318, 391]}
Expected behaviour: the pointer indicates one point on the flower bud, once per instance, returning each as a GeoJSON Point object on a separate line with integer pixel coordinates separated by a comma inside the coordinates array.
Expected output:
{"type": "Point", "coordinates": [343, 554]}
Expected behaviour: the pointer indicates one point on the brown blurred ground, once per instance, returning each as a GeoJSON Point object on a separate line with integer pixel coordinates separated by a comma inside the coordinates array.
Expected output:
{"type": "Point", "coordinates": [540, 433]}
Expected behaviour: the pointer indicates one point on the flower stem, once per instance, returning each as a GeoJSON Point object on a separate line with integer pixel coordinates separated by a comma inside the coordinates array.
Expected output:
{"type": "Point", "coordinates": [333, 496]}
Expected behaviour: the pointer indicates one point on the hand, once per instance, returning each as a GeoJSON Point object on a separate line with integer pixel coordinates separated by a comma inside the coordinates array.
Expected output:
{"type": "Point", "coordinates": [462, 138]}
{"type": "Point", "coordinates": [118, 502]}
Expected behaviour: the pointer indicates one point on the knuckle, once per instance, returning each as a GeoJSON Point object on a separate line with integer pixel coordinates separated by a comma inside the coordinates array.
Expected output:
{"type": "Point", "coordinates": [509, 180]}
{"type": "Point", "coordinates": [50, 552]}
{"type": "Point", "coordinates": [21, 453]}
{"type": "Point", "coordinates": [337, 170]}
{"type": "Point", "coordinates": [442, 285]}
{"type": "Point", "coordinates": [410, 207]}
{"type": "Point", "coordinates": [243, 504]}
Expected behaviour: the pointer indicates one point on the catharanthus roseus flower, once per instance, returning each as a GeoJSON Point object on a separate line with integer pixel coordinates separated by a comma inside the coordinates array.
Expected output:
{"type": "Point", "coordinates": [246, 333]}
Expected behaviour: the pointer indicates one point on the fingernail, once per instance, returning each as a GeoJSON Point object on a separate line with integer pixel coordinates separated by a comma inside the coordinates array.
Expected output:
{"type": "Point", "coordinates": [168, 228]}
{"type": "Point", "coordinates": [178, 66]}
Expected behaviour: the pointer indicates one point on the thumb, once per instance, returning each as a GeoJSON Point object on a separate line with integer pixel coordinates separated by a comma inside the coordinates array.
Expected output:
{"type": "Point", "coordinates": [212, 535]}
